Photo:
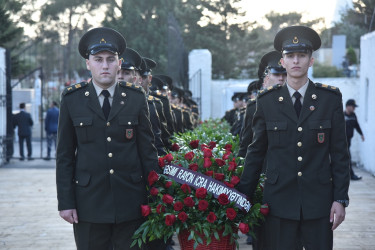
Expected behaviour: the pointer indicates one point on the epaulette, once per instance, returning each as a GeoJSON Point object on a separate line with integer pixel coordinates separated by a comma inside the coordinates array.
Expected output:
{"type": "Point", "coordinates": [268, 90]}
{"type": "Point", "coordinates": [160, 95]}
{"type": "Point", "coordinates": [150, 98]}
{"type": "Point", "coordinates": [156, 99]}
{"type": "Point", "coordinates": [131, 86]}
{"type": "Point", "coordinates": [328, 87]}
{"type": "Point", "coordinates": [251, 101]}
{"type": "Point", "coordinates": [194, 106]}
{"type": "Point", "coordinates": [74, 87]}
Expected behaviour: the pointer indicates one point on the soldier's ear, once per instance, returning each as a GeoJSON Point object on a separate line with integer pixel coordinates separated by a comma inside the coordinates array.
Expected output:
{"type": "Point", "coordinates": [311, 61]}
{"type": "Point", "coordinates": [87, 64]}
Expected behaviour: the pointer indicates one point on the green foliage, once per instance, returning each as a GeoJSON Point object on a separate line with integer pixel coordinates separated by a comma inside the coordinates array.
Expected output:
{"type": "Point", "coordinates": [321, 70]}
{"type": "Point", "coordinates": [351, 56]}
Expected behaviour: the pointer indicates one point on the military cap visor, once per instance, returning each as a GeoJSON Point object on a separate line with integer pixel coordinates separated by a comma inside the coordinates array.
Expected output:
{"type": "Point", "coordinates": [101, 39]}
{"type": "Point", "coordinates": [168, 82]}
{"type": "Point", "coordinates": [146, 66]}
{"type": "Point", "coordinates": [130, 59]}
{"type": "Point", "coordinates": [156, 84]}
{"type": "Point", "coordinates": [277, 70]}
{"type": "Point", "coordinates": [297, 39]}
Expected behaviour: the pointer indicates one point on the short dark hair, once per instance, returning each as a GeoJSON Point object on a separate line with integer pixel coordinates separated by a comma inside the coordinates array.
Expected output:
{"type": "Point", "coordinates": [54, 103]}
{"type": "Point", "coordinates": [22, 105]}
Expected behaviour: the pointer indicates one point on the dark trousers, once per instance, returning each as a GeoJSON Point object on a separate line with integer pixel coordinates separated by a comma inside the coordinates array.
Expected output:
{"type": "Point", "coordinates": [349, 140]}
{"type": "Point", "coordinates": [51, 139]}
{"type": "Point", "coordinates": [285, 234]}
{"type": "Point", "coordinates": [21, 139]}
{"type": "Point", "coordinates": [104, 236]}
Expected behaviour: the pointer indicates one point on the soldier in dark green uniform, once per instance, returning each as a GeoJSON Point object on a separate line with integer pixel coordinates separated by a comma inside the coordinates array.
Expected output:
{"type": "Point", "coordinates": [299, 129]}
{"type": "Point", "coordinates": [130, 62]}
{"type": "Point", "coordinates": [240, 114]}
{"type": "Point", "coordinates": [230, 115]}
{"type": "Point", "coordinates": [105, 149]}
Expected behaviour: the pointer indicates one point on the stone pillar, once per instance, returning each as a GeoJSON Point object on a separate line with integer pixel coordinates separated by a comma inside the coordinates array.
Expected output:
{"type": "Point", "coordinates": [200, 63]}
{"type": "Point", "coordinates": [3, 110]}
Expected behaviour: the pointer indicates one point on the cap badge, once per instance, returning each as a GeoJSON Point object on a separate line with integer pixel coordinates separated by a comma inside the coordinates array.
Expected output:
{"type": "Point", "coordinates": [281, 99]}
{"type": "Point", "coordinates": [104, 41]}
{"type": "Point", "coordinates": [295, 40]}
{"type": "Point", "coordinates": [279, 62]}
{"type": "Point", "coordinates": [87, 93]}
{"type": "Point", "coordinates": [314, 96]}
{"type": "Point", "coordinates": [312, 108]}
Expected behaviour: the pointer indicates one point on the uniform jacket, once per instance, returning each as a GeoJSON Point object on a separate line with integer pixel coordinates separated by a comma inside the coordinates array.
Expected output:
{"type": "Point", "coordinates": [179, 119]}
{"type": "Point", "coordinates": [165, 135]}
{"type": "Point", "coordinates": [102, 166]}
{"type": "Point", "coordinates": [156, 126]}
{"type": "Point", "coordinates": [167, 111]}
{"type": "Point", "coordinates": [230, 116]}
{"type": "Point", "coordinates": [246, 134]}
{"type": "Point", "coordinates": [52, 118]}
{"type": "Point", "coordinates": [24, 122]}
{"type": "Point", "coordinates": [306, 158]}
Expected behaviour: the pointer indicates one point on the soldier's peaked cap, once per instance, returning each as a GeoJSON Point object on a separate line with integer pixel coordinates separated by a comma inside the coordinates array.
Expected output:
{"type": "Point", "coordinates": [156, 84]}
{"type": "Point", "coordinates": [101, 39]}
{"type": "Point", "coordinates": [272, 62]}
{"type": "Point", "coordinates": [130, 59]}
{"type": "Point", "coordinates": [147, 66]}
{"type": "Point", "coordinates": [297, 39]}
{"type": "Point", "coordinates": [167, 80]}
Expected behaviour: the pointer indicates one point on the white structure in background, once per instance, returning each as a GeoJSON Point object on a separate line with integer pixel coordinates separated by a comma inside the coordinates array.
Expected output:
{"type": "Point", "coordinates": [3, 106]}
{"type": "Point", "coordinates": [366, 103]}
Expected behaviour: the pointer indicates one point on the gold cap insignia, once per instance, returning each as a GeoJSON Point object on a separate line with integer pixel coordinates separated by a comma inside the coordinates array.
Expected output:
{"type": "Point", "coordinates": [103, 41]}
{"type": "Point", "coordinates": [295, 40]}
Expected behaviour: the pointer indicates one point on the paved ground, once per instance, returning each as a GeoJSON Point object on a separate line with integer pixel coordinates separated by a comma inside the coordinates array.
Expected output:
{"type": "Point", "coordinates": [29, 217]}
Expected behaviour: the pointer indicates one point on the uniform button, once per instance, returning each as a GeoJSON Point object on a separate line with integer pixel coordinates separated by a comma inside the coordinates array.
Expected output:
{"type": "Point", "coordinates": [77, 182]}
{"type": "Point", "coordinates": [299, 158]}
{"type": "Point", "coordinates": [111, 171]}
{"type": "Point", "coordinates": [299, 173]}
{"type": "Point", "coordinates": [320, 127]}
{"type": "Point", "coordinates": [108, 124]}
{"type": "Point", "coordinates": [275, 128]}
{"type": "Point", "coordinates": [299, 144]}
{"type": "Point", "coordinates": [81, 124]}
{"type": "Point", "coordinates": [129, 123]}
{"type": "Point", "coordinates": [110, 155]}
{"type": "Point", "coordinates": [299, 129]}
{"type": "Point", "coordinates": [109, 139]}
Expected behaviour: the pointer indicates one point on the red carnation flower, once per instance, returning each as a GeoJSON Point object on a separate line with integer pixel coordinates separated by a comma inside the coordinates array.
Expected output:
{"type": "Point", "coordinates": [193, 166]}
{"type": "Point", "coordinates": [167, 199]}
{"type": "Point", "coordinates": [194, 144]}
{"type": "Point", "coordinates": [170, 219]}
{"type": "Point", "coordinates": [203, 146]}
{"type": "Point", "coordinates": [207, 153]}
{"type": "Point", "coordinates": [264, 209]}
{"type": "Point", "coordinates": [169, 157]}
{"type": "Point", "coordinates": [146, 210]}
{"type": "Point", "coordinates": [152, 178]}
{"type": "Point", "coordinates": [160, 209]}
{"type": "Point", "coordinates": [201, 193]}
{"type": "Point", "coordinates": [219, 176]}
{"type": "Point", "coordinates": [220, 162]}
{"type": "Point", "coordinates": [223, 199]}
{"type": "Point", "coordinates": [226, 156]}
{"type": "Point", "coordinates": [175, 147]}
{"type": "Point", "coordinates": [231, 213]}
{"type": "Point", "coordinates": [235, 180]}
{"type": "Point", "coordinates": [232, 166]}
{"type": "Point", "coordinates": [189, 156]}
{"type": "Point", "coordinates": [244, 228]}
{"type": "Point", "coordinates": [154, 191]}
{"type": "Point", "coordinates": [211, 217]}
{"type": "Point", "coordinates": [212, 144]}
{"type": "Point", "coordinates": [161, 162]}
{"type": "Point", "coordinates": [185, 188]}
{"type": "Point", "coordinates": [182, 216]}
{"type": "Point", "coordinates": [168, 184]}
{"type": "Point", "coordinates": [202, 205]}
{"type": "Point", "coordinates": [209, 173]}
{"type": "Point", "coordinates": [189, 202]}
{"type": "Point", "coordinates": [228, 184]}
{"type": "Point", "coordinates": [207, 162]}
{"type": "Point", "coordinates": [178, 206]}
{"type": "Point", "coordinates": [228, 147]}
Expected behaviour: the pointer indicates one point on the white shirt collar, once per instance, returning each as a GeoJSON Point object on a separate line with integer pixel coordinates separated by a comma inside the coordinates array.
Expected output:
{"type": "Point", "coordinates": [98, 89]}
{"type": "Point", "coordinates": [301, 90]}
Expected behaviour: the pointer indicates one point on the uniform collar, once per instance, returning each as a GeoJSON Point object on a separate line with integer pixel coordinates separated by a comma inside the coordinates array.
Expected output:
{"type": "Point", "coordinates": [301, 90]}
{"type": "Point", "coordinates": [98, 89]}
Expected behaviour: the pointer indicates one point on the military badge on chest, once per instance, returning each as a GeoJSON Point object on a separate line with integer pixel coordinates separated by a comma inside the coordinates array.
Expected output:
{"type": "Point", "coordinates": [129, 133]}
{"type": "Point", "coordinates": [320, 137]}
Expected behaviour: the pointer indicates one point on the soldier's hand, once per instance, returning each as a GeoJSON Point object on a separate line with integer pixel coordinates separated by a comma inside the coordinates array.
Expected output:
{"type": "Point", "coordinates": [69, 215]}
{"type": "Point", "coordinates": [337, 214]}
{"type": "Point", "coordinates": [363, 138]}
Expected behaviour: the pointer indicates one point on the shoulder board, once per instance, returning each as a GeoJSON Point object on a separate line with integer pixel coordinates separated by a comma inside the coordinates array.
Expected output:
{"type": "Point", "coordinates": [268, 90]}
{"type": "Point", "coordinates": [74, 87]}
{"type": "Point", "coordinates": [160, 95]}
{"type": "Point", "coordinates": [251, 101]}
{"type": "Point", "coordinates": [150, 98]}
{"type": "Point", "coordinates": [194, 106]}
{"type": "Point", "coordinates": [328, 87]}
{"type": "Point", "coordinates": [156, 99]}
{"type": "Point", "coordinates": [131, 86]}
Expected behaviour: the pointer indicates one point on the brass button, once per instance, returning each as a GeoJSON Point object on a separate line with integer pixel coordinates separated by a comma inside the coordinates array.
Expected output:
{"type": "Point", "coordinates": [129, 123]}
{"type": "Point", "coordinates": [320, 127]}
{"type": "Point", "coordinates": [299, 144]}
{"type": "Point", "coordinates": [81, 124]}
{"type": "Point", "coordinates": [123, 94]}
{"type": "Point", "coordinates": [110, 155]}
{"type": "Point", "coordinates": [77, 182]}
{"type": "Point", "coordinates": [109, 139]}
{"type": "Point", "coordinates": [275, 128]}
{"type": "Point", "coordinates": [299, 129]}
{"type": "Point", "coordinates": [330, 179]}
{"type": "Point", "coordinates": [299, 158]}
{"type": "Point", "coordinates": [299, 173]}
{"type": "Point", "coordinates": [111, 171]}
{"type": "Point", "coordinates": [108, 124]}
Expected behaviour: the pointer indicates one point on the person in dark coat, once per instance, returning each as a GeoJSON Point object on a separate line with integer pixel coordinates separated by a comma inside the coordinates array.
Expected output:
{"type": "Point", "coordinates": [50, 126]}
{"type": "Point", "coordinates": [24, 122]}
{"type": "Point", "coordinates": [105, 149]}
{"type": "Point", "coordinates": [299, 130]}
{"type": "Point", "coordinates": [351, 124]}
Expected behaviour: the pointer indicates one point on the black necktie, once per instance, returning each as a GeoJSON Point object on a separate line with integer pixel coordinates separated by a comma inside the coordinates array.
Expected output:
{"type": "Point", "coordinates": [106, 106]}
{"type": "Point", "coordinates": [297, 103]}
